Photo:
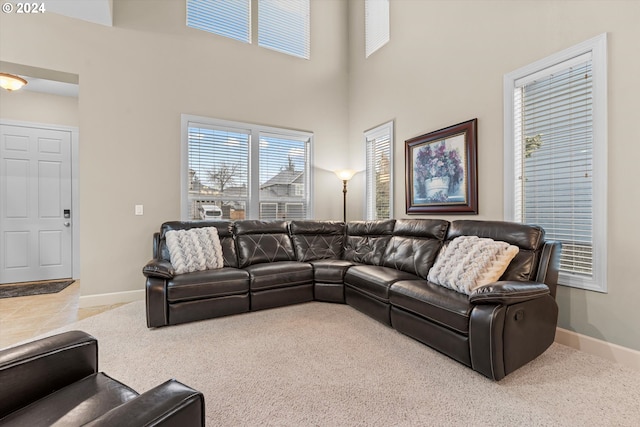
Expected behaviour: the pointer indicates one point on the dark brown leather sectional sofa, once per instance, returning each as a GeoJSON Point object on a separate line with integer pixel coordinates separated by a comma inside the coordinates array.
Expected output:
{"type": "Point", "coordinates": [55, 381]}
{"type": "Point", "coordinates": [379, 268]}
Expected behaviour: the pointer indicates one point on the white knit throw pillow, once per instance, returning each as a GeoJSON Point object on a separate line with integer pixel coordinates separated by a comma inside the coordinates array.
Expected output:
{"type": "Point", "coordinates": [469, 262]}
{"type": "Point", "coordinates": [195, 249]}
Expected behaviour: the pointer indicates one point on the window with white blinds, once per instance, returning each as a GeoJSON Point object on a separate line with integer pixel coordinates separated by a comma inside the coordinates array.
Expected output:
{"type": "Point", "coordinates": [283, 25]}
{"type": "Point", "coordinates": [223, 17]}
{"type": "Point", "coordinates": [284, 181]}
{"type": "Point", "coordinates": [248, 171]}
{"type": "Point", "coordinates": [376, 25]}
{"type": "Point", "coordinates": [379, 171]}
{"type": "Point", "coordinates": [558, 164]}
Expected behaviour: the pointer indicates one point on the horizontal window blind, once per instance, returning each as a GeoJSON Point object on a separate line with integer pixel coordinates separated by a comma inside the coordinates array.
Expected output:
{"type": "Point", "coordinates": [379, 142]}
{"type": "Point", "coordinates": [223, 17]}
{"type": "Point", "coordinates": [284, 181]}
{"type": "Point", "coordinates": [554, 160]}
{"type": "Point", "coordinates": [376, 25]}
{"type": "Point", "coordinates": [249, 171]}
{"type": "Point", "coordinates": [284, 25]}
{"type": "Point", "coordinates": [218, 161]}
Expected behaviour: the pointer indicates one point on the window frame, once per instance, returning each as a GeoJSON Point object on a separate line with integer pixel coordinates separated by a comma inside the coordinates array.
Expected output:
{"type": "Point", "coordinates": [255, 131]}
{"type": "Point", "coordinates": [369, 135]}
{"type": "Point", "coordinates": [597, 47]}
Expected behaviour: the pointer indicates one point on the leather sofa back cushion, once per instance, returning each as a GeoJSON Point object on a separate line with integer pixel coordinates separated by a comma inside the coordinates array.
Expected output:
{"type": "Point", "coordinates": [414, 245]}
{"type": "Point", "coordinates": [367, 240]}
{"type": "Point", "coordinates": [412, 255]}
{"type": "Point", "coordinates": [529, 238]}
{"type": "Point", "coordinates": [263, 241]}
{"type": "Point", "coordinates": [313, 240]}
{"type": "Point", "coordinates": [225, 234]}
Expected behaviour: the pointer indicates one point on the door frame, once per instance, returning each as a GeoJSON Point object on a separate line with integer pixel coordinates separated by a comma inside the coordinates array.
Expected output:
{"type": "Point", "coordinates": [75, 202]}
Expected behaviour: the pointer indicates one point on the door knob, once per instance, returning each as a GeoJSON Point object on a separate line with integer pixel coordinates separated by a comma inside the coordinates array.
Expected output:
{"type": "Point", "coordinates": [67, 224]}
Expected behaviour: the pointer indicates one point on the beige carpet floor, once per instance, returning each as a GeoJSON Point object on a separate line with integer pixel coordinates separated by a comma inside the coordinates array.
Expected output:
{"type": "Point", "coordinates": [319, 364]}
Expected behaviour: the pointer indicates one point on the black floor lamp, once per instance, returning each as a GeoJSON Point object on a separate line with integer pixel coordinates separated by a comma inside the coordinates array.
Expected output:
{"type": "Point", "coordinates": [345, 175]}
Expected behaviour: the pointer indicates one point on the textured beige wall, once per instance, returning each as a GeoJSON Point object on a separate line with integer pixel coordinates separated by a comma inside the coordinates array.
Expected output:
{"type": "Point", "coordinates": [445, 64]}
{"type": "Point", "coordinates": [138, 77]}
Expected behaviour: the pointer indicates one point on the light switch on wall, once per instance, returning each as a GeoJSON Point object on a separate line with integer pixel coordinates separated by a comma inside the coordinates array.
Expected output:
{"type": "Point", "coordinates": [139, 210]}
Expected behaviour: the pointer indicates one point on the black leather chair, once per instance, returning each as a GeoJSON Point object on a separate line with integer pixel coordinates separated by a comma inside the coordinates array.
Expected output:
{"type": "Point", "coordinates": [55, 380]}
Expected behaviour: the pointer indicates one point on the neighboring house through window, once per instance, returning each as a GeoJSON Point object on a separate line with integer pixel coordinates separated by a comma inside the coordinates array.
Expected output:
{"type": "Point", "coordinates": [556, 156]}
{"type": "Point", "coordinates": [217, 158]}
{"type": "Point", "coordinates": [379, 171]}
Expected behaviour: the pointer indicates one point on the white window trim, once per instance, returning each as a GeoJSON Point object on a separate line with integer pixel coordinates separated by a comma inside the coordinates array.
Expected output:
{"type": "Point", "coordinates": [253, 203]}
{"type": "Point", "coordinates": [597, 46]}
{"type": "Point", "coordinates": [383, 129]}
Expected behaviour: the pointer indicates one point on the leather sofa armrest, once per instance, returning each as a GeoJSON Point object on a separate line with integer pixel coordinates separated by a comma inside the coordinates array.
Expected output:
{"type": "Point", "coordinates": [169, 404]}
{"type": "Point", "coordinates": [159, 268]}
{"type": "Point", "coordinates": [33, 370]}
{"type": "Point", "coordinates": [549, 266]}
{"type": "Point", "coordinates": [508, 292]}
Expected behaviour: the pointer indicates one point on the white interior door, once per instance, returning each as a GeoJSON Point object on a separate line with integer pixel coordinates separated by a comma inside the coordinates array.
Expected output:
{"type": "Point", "coordinates": [35, 197]}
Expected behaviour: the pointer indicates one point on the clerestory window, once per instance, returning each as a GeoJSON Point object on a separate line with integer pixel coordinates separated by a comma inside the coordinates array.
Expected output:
{"type": "Point", "coordinates": [282, 25]}
{"type": "Point", "coordinates": [376, 25]}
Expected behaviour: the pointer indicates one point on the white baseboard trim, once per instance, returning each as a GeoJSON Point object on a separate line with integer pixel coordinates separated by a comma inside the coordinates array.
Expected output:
{"type": "Point", "coordinates": [110, 298]}
{"type": "Point", "coordinates": [613, 352]}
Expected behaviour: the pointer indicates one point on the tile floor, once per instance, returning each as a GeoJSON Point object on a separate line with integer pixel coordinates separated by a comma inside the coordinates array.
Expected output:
{"type": "Point", "coordinates": [22, 318]}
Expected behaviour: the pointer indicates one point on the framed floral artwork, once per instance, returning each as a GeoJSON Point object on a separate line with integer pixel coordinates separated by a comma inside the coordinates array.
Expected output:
{"type": "Point", "coordinates": [441, 171]}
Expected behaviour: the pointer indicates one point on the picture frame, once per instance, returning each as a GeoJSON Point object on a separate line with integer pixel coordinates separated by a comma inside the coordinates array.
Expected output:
{"type": "Point", "coordinates": [441, 171]}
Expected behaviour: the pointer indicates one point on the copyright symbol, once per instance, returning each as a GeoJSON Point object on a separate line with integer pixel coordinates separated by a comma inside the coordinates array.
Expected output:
{"type": "Point", "coordinates": [7, 8]}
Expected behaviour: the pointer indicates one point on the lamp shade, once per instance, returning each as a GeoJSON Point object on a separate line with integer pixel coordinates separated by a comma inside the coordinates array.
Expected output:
{"type": "Point", "coordinates": [345, 174]}
{"type": "Point", "coordinates": [11, 82]}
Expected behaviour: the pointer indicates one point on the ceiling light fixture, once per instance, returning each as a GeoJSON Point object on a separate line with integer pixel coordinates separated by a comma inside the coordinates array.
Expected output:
{"type": "Point", "coordinates": [11, 82]}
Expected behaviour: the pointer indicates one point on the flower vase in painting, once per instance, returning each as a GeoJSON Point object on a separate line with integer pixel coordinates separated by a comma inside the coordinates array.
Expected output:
{"type": "Point", "coordinates": [439, 172]}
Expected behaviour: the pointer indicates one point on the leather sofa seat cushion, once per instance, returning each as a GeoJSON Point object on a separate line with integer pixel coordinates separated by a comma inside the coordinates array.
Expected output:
{"type": "Point", "coordinates": [208, 284]}
{"type": "Point", "coordinates": [444, 306]}
{"type": "Point", "coordinates": [375, 280]}
{"type": "Point", "coordinates": [281, 274]}
{"type": "Point", "coordinates": [330, 270]}
{"type": "Point", "coordinates": [75, 404]}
